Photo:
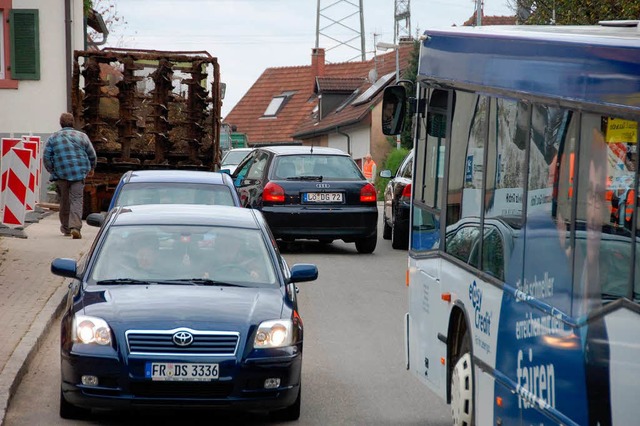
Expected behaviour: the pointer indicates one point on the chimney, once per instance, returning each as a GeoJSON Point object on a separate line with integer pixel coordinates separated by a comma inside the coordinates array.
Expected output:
{"type": "Point", "coordinates": [317, 62]}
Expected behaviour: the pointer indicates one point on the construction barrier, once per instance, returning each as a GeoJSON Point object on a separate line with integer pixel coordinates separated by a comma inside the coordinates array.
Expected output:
{"type": "Point", "coordinates": [30, 202]}
{"type": "Point", "coordinates": [39, 164]}
{"type": "Point", "coordinates": [5, 149]}
{"type": "Point", "coordinates": [15, 186]}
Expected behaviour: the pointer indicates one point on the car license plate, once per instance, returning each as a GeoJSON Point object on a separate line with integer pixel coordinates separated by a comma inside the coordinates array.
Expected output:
{"type": "Point", "coordinates": [322, 197]}
{"type": "Point", "coordinates": [188, 372]}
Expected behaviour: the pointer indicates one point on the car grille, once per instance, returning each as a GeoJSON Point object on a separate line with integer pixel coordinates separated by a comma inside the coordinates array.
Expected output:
{"type": "Point", "coordinates": [161, 343]}
{"type": "Point", "coordinates": [181, 389]}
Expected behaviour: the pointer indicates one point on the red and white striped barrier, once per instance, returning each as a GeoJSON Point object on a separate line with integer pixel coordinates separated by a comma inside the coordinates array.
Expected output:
{"type": "Point", "coordinates": [38, 164]}
{"type": "Point", "coordinates": [16, 187]}
{"type": "Point", "coordinates": [30, 202]}
{"type": "Point", "coordinates": [5, 149]}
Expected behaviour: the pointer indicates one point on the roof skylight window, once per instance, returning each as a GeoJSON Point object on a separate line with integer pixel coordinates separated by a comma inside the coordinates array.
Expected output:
{"type": "Point", "coordinates": [277, 103]}
{"type": "Point", "coordinates": [274, 106]}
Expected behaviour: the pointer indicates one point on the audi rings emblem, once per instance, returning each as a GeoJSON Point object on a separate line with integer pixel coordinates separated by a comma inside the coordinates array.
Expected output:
{"type": "Point", "coordinates": [323, 185]}
{"type": "Point", "coordinates": [183, 338]}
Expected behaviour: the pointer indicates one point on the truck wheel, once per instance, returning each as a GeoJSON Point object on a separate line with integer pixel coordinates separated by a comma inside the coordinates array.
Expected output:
{"type": "Point", "coordinates": [462, 409]}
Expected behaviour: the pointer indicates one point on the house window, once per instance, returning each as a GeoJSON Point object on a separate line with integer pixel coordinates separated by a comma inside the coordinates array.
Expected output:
{"type": "Point", "coordinates": [19, 45]}
{"type": "Point", "coordinates": [25, 44]}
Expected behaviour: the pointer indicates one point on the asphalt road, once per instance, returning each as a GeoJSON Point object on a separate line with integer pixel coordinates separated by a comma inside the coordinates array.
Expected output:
{"type": "Point", "coordinates": [353, 369]}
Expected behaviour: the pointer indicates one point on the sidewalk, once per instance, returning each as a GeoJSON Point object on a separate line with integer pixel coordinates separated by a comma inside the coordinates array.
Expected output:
{"type": "Point", "coordinates": [30, 295]}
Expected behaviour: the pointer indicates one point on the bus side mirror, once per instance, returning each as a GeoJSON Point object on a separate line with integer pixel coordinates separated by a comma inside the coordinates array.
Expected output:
{"type": "Point", "coordinates": [394, 102]}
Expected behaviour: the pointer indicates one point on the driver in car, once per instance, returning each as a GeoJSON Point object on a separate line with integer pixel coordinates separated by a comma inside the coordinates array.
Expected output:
{"type": "Point", "coordinates": [235, 259]}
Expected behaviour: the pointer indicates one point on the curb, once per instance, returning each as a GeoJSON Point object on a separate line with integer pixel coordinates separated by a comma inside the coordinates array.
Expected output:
{"type": "Point", "coordinates": [21, 358]}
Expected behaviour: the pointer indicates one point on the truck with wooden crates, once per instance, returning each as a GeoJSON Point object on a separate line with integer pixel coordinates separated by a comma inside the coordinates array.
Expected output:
{"type": "Point", "coordinates": [146, 109]}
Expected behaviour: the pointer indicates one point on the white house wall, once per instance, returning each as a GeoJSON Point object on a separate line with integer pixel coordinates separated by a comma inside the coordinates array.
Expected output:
{"type": "Point", "coordinates": [360, 141]}
{"type": "Point", "coordinates": [36, 105]}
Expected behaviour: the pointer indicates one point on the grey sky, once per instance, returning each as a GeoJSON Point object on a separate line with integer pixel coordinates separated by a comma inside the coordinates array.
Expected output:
{"type": "Point", "coordinates": [248, 36]}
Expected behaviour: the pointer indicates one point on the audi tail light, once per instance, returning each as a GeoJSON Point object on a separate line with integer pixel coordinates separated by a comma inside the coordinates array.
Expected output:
{"type": "Point", "coordinates": [368, 194]}
{"type": "Point", "coordinates": [406, 193]}
{"type": "Point", "coordinates": [273, 193]}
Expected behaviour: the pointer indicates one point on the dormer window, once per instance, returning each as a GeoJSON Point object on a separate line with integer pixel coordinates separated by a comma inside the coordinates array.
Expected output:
{"type": "Point", "coordinates": [276, 104]}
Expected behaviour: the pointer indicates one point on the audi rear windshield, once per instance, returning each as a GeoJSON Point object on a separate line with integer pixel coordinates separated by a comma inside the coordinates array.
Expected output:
{"type": "Point", "coordinates": [329, 167]}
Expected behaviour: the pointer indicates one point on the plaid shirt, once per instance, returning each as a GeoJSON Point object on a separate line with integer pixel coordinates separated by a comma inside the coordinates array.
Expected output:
{"type": "Point", "coordinates": [69, 155]}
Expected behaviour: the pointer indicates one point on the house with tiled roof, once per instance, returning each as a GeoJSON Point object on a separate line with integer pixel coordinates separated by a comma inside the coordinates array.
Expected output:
{"type": "Point", "coordinates": [490, 20]}
{"type": "Point", "coordinates": [322, 104]}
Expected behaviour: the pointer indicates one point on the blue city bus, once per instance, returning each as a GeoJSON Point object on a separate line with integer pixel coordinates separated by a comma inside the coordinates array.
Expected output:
{"type": "Point", "coordinates": [524, 262]}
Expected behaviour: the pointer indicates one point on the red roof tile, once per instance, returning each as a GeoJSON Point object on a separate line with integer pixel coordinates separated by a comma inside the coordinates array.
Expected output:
{"type": "Point", "coordinates": [331, 84]}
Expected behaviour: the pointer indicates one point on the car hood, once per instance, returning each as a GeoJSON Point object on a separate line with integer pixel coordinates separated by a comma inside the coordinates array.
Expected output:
{"type": "Point", "coordinates": [168, 306]}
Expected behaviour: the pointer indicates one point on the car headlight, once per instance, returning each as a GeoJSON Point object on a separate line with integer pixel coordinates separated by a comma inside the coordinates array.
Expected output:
{"type": "Point", "coordinates": [91, 330]}
{"type": "Point", "coordinates": [274, 334]}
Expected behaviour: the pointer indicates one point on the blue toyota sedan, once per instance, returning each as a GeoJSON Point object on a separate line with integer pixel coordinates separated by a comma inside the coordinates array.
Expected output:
{"type": "Point", "coordinates": [195, 310]}
{"type": "Point", "coordinates": [174, 187]}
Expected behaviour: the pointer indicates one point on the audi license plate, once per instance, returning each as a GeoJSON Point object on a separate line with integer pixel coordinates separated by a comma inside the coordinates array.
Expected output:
{"type": "Point", "coordinates": [322, 197]}
{"type": "Point", "coordinates": [185, 372]}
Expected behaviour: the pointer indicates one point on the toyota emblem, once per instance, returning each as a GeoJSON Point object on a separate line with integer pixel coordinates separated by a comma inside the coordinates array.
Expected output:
{"type": "Point", "coordinates": [323, 185]}
{"type": "Point", "coordinates": [183, 338]}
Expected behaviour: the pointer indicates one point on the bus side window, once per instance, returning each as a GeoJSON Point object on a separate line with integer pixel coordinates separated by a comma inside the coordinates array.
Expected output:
{"type": "Point", "coordinates": [437, 115]}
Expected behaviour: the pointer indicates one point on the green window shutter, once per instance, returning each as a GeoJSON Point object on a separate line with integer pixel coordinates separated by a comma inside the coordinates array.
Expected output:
{"type": "Point", "coordinates": [25, 44]}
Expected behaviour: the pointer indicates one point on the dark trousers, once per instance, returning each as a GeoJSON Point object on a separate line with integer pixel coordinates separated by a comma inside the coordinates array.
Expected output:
{"type": "Point", "coordinates": [71, 204]}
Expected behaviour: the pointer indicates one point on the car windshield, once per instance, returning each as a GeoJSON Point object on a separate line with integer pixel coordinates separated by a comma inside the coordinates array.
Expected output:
{"type": "Point", "coordinates": [137, 193]}
{"type": "Point", "coordinates": [234, 157]}
{"type": "Point", "coordinates": [186, 255]}
{"type": "Point", "coordinates": [328, 167]}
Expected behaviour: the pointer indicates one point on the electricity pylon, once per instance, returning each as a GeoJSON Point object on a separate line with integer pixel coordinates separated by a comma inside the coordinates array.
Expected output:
{"type": "Point", "coordinates": [340, 23]}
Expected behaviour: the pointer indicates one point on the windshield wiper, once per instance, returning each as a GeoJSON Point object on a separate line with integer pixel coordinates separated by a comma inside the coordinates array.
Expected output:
{"type": "Point", "coordinates": [319, 178]}
{"type": "Point", "coordinates": [123, 281]}
{"type": "Point", "coordinates": [202, 281]}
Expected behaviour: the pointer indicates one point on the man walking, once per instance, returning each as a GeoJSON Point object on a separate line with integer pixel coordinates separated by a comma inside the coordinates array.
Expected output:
{"type": "Point", "coordinates": [369, 168]}
{"type": "Point", "coordinates": [69, 157]}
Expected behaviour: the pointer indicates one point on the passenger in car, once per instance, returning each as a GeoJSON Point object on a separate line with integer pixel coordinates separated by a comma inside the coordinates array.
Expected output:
{"type": "Point", "coordinates": [143, 261]}
{"type": "Point", "coordinates": [236, 260]}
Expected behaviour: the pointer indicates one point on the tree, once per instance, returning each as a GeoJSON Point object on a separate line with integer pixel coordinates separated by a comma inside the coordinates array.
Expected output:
{"type": "Point", "coordinates": [108, 9]}
{"type": "Point", "coordinates": [410, 73]}
{"type": "Point", "coordinates": [573, 12]}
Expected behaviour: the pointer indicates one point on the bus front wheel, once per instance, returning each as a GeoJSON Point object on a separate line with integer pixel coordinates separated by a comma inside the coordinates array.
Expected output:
{"type": "Point", "coordinates": [462, 388]}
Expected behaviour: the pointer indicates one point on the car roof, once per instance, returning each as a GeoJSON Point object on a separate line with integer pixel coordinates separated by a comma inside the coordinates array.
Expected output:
{"type": "Point", "coordinates": [298, 149]}
{"type": "Point", "coordinates": [189, 214]}
{"type": "Point", "coordinates": [240, 149]}
{"type": "Point", "coordinates": [193, 176]}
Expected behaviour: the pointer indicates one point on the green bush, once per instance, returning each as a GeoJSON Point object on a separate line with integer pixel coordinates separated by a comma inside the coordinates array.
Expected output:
{"type": "Point", "coordinates": [392, 162]}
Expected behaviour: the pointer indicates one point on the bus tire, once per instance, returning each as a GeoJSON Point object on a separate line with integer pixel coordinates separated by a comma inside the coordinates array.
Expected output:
{"type": "Point", "coordinates": [462, 409]}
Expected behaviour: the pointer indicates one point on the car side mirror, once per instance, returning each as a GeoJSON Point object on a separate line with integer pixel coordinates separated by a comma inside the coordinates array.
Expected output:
{"type": "Point", "coordinates": [96, 219]}
{"type": "Point", "coordinates": [303, 272]}
{"type": "Point", "coordinates": [64, 267]}
{"type": "Point", "coordinates": [385, 174]}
